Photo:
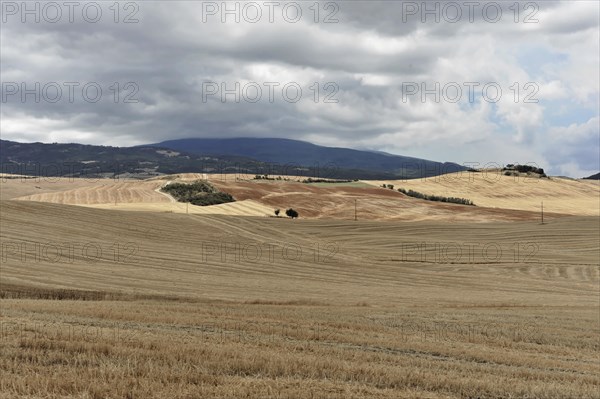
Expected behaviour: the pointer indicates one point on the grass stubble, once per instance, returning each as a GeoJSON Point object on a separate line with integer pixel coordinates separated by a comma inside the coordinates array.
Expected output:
{"type": "Point", "coordinates": [372, 319]}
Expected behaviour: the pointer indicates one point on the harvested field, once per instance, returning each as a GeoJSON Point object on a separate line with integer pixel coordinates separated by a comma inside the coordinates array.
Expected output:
{"type": "Point", "coordinates": [366, 309]}
{"type": "Point", "coordinates": [337, 201]}
{"type": "Point", "coordinates": [326, 201]}
{"type": "Point", "coordinates": [105, 192]}
{"type": "Point", "coordinates": [151, 298]}
{"type": "Point", "coordinates": [238, 208]}
{"type": "Point", "coordinates": [493, 189]}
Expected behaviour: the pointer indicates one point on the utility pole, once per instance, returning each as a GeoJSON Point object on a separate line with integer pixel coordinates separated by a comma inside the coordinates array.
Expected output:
{"type": "Point", "coordinates": [542, 212]}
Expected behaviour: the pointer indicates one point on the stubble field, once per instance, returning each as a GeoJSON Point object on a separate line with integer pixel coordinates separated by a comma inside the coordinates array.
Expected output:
{"type": "Point", "coordinates": [102, 303]}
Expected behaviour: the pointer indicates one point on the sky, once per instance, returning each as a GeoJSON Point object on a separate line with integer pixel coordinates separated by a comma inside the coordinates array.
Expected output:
{"type": "Point", "coordinates": [476, 83]}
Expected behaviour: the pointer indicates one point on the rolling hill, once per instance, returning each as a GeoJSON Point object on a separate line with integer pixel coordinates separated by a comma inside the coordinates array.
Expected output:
{"type": "Point", "coordinates": [412, 300]}
{"type": "Point", "coordinates": [498, 197]}
{"type": "Point", "coordinates": [213, 306]}
{"type": "Point", "coordinates": [593, 177]}
{"type": "Point", "coordinates": [295, 152]}
{"type": "Point", "coordinates": [40, 159]}
{"type": "Point", "coordinates": [493, 189]}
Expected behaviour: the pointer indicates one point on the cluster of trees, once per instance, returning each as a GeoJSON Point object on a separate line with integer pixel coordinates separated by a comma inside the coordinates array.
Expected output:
{"type": "Point", "coordinates": [290, 213]}
{"type": "Point", "coordinates": [311, 180]}
{"type": "Point", "coordinates": [199, 193]}
{"type": "Point", "coordinates": [266, 177]}
{"type": "Point", "coordinates": [390, 186]}
{"type": "Point", "coordinates": [212, 199]}
{"type": "Point", "coordinates": [439, 198]}
{"type": "Point", "coordinates": [523, 169]}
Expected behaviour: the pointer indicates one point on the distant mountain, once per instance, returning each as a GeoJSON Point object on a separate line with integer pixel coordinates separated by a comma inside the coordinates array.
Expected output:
{"type": "Point", "coordinates": [244, 156]}
{"type": "Point", "coordinates": [593, 177]}
{"type": "Point", "coordinates": [47, 160]}
{"type": "Point", "coordinates": [294, 152]}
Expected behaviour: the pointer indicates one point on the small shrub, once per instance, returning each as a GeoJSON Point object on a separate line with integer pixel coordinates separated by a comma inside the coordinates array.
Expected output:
{"type": "Point", "coordinates": [438, 198]}
{"type": "Point", "coordinates": [311, 180]}
{"type": "Point", "coordinates": [291, 213]}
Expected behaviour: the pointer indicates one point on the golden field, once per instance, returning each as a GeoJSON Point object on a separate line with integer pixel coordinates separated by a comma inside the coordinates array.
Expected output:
{"type": "Point", "coordinates": [493, 189]}
{"type": "Point", "coordinates": [140, 300]}
{"type": "Point", "coordinates": [498, 197]}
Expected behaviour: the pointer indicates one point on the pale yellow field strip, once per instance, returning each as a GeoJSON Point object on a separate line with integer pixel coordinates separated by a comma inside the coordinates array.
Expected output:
{"type": "Point", "coordinates": [492, 189]}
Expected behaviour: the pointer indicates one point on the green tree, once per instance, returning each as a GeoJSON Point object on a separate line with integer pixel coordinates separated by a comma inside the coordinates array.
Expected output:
{"type": "Point", "coordinates": [291, 213]}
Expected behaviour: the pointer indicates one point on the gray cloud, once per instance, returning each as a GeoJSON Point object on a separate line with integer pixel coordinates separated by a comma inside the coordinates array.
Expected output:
{"type": "Point", "coordinates": [368, 55]}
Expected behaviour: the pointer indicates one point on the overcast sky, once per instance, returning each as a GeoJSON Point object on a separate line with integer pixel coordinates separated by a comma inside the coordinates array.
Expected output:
{"type": "Point", "coordinates": [506, 82]}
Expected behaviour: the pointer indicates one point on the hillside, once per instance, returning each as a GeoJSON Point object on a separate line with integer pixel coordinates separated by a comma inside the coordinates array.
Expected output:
{"type": "Point", "coordinates": [295, 152]}
{"type": "Point", "coordinates": [231, 307]}
{"type": "Point", "coordinates": [39, 159]}
{"type": "Point", "coordinates": [593, 177]}
{"type": "Point", "coordinates": [91, 161]}
{"type": "Point", "coordinates": [493, 189]}
{"type": "Point", "coordinates": [507, 199]}
{"type": "Point", "coordinates": [386, 306]}
{"type": "Point", "coordinates": [168, 256]}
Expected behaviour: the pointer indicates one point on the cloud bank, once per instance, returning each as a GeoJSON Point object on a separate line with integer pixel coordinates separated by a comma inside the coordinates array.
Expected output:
{"type": "Point", "coordinates": [468, 82]}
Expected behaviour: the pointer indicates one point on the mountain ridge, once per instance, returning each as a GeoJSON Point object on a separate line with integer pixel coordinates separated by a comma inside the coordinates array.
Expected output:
{"type": "Point", "coordinates": [289, 151]}
{"type": "Point", "coordinates": [86, 160]}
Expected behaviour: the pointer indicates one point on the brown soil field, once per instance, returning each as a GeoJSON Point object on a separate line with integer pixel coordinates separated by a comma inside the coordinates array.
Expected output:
{"type": "Point", "coordinates": [337, 202]}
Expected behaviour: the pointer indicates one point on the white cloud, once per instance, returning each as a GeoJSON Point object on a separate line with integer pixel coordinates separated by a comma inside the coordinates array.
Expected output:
{"type": "Point", "coordinates": [369, 54]}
